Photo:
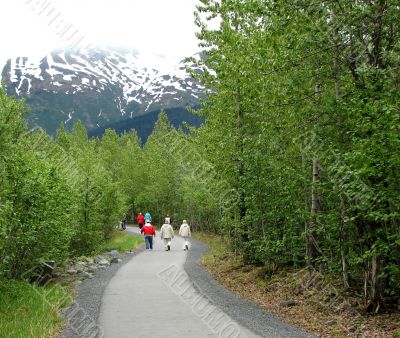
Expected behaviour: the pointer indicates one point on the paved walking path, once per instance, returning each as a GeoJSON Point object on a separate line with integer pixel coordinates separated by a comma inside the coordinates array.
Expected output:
{"type": "Point", "coordinates": [152, 296]}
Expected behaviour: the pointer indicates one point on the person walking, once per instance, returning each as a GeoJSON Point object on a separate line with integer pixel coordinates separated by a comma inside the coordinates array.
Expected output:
{"type": "Point", "coordinates": [167, 234]}
{"type": "Point", "coordinates": [167, 219]}
{"type": "Point", "coordinates": [147, 217]}
{"type": "Point", "coordinates": [123, 222]}
{"type": "Point", "coordinates": [149, 232]}
{"type": "Point", "coordinates": [184, 232]}
{"type": "Point", "coordinates": [140, 220]}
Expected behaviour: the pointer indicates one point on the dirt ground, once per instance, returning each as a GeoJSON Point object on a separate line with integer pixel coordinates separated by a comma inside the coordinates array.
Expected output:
{"type": "Point", "coordinates": [312, 303]}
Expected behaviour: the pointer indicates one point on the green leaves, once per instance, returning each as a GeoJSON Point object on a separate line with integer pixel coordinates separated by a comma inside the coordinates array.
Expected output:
{"type": "Point", "coordinates": [57, 198]}
{"type": "Point", "coordinates": [288, 71]}
{"type": "Point", "coordinates": [287, 83]}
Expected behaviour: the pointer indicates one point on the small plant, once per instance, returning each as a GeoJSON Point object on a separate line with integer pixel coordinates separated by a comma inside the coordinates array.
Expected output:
{"type": "Point", "coordinates": [31, 311]}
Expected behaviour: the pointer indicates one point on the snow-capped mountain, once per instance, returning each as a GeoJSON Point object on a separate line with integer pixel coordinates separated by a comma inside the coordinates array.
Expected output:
{"type": "Point", "coordinates": [98, 86]}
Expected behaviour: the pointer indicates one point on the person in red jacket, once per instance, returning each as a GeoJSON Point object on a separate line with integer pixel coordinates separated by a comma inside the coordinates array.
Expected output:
{"type": "Point", "coordinates": [140, 220]}
{"type": "Point", "coordinates": [149, 232]}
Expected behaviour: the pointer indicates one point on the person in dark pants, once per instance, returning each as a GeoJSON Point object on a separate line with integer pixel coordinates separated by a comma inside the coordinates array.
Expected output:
{"type": "Point", "coordinates": [140, 220]}
{"type": "Point", "coordinates": [149, 232]}
{"type": "Point", "coordinates": [123, 222]}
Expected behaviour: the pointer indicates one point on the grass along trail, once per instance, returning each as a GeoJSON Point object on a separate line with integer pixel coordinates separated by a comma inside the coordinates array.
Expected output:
{"type": "Point", "coordinates": [28, 310]}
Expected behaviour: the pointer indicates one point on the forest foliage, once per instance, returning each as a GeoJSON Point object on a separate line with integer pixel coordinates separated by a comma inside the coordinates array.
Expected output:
{"type": "Point", "coordinates": [297, 163]}
{"type": "Point", "coordinates": [59, 197]}
{"type": "Point", "coordinates": [303, 122]}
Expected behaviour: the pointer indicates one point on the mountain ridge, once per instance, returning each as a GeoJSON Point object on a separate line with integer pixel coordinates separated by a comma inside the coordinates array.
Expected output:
{"type": "Point", "coordinates": [98, 86]}
{"type": "Point", "coordinates": [143, 124]}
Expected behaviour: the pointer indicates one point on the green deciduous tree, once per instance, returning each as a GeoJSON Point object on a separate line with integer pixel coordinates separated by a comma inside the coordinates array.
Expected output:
{"type": "Point", "coordinates": [302, 120]}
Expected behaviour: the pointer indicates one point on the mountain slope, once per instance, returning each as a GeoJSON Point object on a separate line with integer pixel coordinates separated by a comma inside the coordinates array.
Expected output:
{"type": "Point", "coordinates": [144, 124]}
{"type": "Point", "coordinates": [98, 86]}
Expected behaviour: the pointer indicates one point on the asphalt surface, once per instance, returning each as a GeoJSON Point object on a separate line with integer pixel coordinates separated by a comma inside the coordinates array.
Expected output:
{"type": "Point", "coordinates": [166, 294]}
{"type": "Point", "coordinates": [82, 316]}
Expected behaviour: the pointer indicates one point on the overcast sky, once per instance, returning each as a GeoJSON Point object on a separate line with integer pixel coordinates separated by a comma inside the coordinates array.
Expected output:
{"type": "Point", "coordinates": [32, 27]}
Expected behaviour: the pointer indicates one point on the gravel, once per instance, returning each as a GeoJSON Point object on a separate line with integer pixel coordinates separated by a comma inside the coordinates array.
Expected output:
{"type": "Point", "coordinates": [244, 312]}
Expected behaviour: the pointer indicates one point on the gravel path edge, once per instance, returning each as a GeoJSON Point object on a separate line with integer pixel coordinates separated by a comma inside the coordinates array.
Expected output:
{"type": "Point", "coordinates": [81, 318]}
{"type": "Point", "coordinates": [244, 312]}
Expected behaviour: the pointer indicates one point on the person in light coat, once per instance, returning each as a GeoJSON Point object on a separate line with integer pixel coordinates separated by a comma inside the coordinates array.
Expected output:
{"type": "Point", "coordinates": [184, 232]}
{"type": "Point", "coordinates": [167, 234]}
{"type": "Point", "coordinates": [167, 219]}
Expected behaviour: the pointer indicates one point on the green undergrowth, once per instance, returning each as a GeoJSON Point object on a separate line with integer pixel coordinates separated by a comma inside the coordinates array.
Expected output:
{"type": "Point", "coordinates": [122, 241]}
{"type": "Point", "coordinates": [218, 247]}
{"type": "Point", "coordinates": [31, 311]}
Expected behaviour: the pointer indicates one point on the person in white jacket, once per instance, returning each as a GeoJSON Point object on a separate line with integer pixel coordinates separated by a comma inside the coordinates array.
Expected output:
{"type": "Point", "coordinates": [184, 231]}
{"type": "Point", "coordinates": [167, 234]}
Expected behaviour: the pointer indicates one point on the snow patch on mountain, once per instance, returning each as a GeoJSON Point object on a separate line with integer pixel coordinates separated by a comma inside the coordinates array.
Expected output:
{"type": "Point", "coordinates": [135, 82]}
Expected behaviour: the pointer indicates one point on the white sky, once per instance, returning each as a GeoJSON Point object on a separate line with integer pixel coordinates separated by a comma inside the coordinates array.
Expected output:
{"type": "Point", "coordinates": [161, 26]}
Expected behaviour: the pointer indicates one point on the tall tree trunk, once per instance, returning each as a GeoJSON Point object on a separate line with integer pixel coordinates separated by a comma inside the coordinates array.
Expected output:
{"type": "Point", "coordinates": [374, 294]}
{"type": "Point", "coordinates": [343, 238]}
{"type": "Point", "coordinates": [315, 204]}
{"type": "Point", "coordinates": [240, 164]}
{"type": "Point", "coordinates": [261, 201]}
{"type": "Point", "coordinates": [306, 206]}
{"type": "Point", "coordinates": [315, 209]}
{"type": "Point", "coordinates": [312, 250]}
{"type": "Point", "coordinates": [374, 283]}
